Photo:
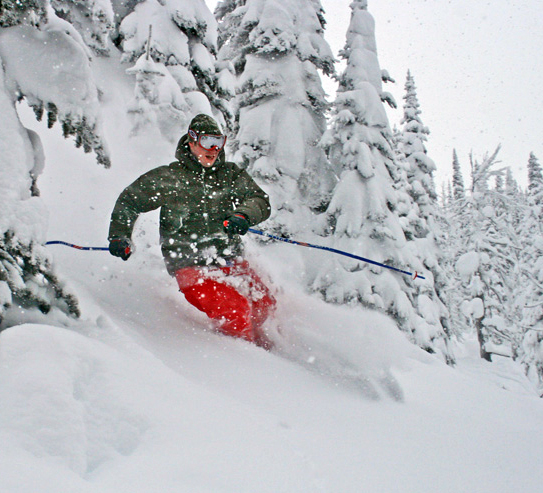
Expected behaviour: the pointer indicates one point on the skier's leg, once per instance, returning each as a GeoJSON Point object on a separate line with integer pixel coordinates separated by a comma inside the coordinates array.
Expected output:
{"type": "Point", "coordinates": [218, 301]}
{"type": "Point", "coordinates": [260, 299]}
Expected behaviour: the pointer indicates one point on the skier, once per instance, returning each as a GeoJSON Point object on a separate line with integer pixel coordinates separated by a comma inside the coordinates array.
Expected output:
{"type": "Point", "coordinates": [206, 203]}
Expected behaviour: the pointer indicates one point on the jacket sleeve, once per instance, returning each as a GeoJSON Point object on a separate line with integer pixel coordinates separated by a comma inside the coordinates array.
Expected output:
{"type": "Point", "coordinates": [145, 194]}
{"type": "Point", "coordinates": [249, 198]}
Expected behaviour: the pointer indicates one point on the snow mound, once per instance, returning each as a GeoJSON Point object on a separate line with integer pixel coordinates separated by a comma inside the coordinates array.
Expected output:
{"type": "Point", "coordinates": [65, 397]}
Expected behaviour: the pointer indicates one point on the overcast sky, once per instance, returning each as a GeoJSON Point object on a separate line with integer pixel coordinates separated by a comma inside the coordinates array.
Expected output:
{"type": "Point", "coordinates": [478, 69]}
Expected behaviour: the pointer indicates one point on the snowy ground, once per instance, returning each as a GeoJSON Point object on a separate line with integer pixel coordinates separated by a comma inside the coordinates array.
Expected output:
{"type": "Point", "coordinates": [140, 395]}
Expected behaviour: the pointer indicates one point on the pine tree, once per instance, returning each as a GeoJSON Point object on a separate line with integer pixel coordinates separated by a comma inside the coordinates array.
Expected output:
{"type": "Point", "coordinates": [371, 211]}
{"type": "Point", "coordinates": [276, 48]}
{"type": "Point", "coordinates": [455, 224]}
{"type": "Point", "coordinates": [535, 181]}
{"type": "Point", "coordinates": [59, 87]}
{"type": "Point", "coordinates": [184, 43]}
{"type": "Point", "coordinates": [26, 276]}
{"type": "Point", "coordinates": [93, 19]}
{"type": "Point", "coordinates": [412, 140]}
{"type": "Point", "coordinates": [531, 231]}
{"type": "Point", "coordinates": [425, 236]}
{"type": "Point", "coordinates": [512, 188]}
{"type": "Point", "coordinates": [158, 100]}
{"type": "Point", "coordinates": [17, 12]}
{"type": "Point", "coordinates": [488, 264]}
{"type": "Point", "coordinates": [458, 181]}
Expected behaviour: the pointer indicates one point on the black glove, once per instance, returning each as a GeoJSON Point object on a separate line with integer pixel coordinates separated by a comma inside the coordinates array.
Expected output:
{"type": "Point", "coordinates": [120, 247]}
{"type": "Point", "coordinates": [236, 224]}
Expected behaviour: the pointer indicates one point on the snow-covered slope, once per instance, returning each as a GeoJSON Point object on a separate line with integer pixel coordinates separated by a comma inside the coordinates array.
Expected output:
{"type": "Point", "coordinates": [140, 395]}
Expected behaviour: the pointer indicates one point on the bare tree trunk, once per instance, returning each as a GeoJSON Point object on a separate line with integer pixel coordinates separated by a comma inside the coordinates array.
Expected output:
{"type": "Point", "coordinates": [481, 338]}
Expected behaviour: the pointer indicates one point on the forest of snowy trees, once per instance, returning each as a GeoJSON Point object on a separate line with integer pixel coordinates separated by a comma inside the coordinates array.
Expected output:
{"type": "Point", "coordinates": [337, 173]}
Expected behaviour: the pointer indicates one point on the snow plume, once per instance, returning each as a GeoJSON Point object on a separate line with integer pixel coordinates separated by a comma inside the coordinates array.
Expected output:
{"type": "Point", "coordinates": [276, 48]}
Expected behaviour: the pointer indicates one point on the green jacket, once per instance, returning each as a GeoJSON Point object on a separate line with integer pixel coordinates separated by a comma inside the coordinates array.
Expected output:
{"type": "Point", "coordinates": [193, 202]}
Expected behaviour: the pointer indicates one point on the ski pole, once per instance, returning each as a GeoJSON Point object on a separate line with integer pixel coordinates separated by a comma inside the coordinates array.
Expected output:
{"type": "Point", "coordinates": [71, 245]}
{"type": "Point", "coordinates": [333, 250]}
{"type": "Point", "coordinates": [414, 275]}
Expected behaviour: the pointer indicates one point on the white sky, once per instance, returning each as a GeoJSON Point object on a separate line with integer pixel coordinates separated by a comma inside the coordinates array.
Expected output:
{"type": "Point", "coordinates": [477, 67]}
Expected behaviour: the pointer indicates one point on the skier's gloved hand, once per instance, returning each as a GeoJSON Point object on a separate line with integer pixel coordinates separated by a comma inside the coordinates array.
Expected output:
{"type": "Point", "coordinates": [120, 247]}
{"type": "Point", "coordinates": [236, 224]}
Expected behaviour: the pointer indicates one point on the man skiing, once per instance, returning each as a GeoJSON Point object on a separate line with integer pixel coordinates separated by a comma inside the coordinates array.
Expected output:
{"type": "Point", "coordinates": [205, 203]}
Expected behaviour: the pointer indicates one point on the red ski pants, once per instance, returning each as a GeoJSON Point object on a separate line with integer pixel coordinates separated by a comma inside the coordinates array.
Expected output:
{"type": "Point", "coordinates": [235, 296]}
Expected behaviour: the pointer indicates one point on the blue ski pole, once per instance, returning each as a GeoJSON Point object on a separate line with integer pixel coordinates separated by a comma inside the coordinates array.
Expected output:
{"type": "Point", "coordinates": [414, 275]}
{"type": "Point", "coordinates": [71, 245]}
{"type": "Point", "coordinates": [333, 250]}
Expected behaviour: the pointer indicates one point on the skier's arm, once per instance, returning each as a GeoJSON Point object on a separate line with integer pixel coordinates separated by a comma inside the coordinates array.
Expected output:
{"type": "Point", "coordinates": [249, 199]}
{"type": "Point", "coordinates": [144, 195]}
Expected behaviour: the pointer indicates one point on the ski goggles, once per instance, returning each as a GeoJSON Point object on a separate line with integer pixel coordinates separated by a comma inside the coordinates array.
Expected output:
{"type": "Point", "coordinates": [207, 141]}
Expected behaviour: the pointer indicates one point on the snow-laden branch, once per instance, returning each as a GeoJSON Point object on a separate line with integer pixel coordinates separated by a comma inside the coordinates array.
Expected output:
{"type": "Point", "coordinates": [531, 277]}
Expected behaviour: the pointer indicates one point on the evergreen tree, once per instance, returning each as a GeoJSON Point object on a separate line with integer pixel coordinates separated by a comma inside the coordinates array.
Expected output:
{"type": "Point", "coordinates": [183, 49]}
{"type": "Point", "coordinates": [455, 224]}
{"type": "Point", "coordinates": [426, 239]}
{"type": "Point", "coordinates": [158, 100]}
{"type": "Point", "coordinates": [421, 168]}
{"type": "Point", "coordinates": [371, 211]}
{"type": "Point", "coordinates": [499, 186]}
{"type": "Point", "coordinates": [93, 19]}
{"type": "Point", "coordinates": [512, 188]}
{"type": "Point", "coordinates": [488, 263]}
{"type": "Point", "coordinates": [531, 231]}
{"type": "Point", "coordinates": [61, 84]}
{"type": "Point", "coordinates": [458, 181]}
{"type": "Point", "coordinates": [275, 48]}
{"type": "Point", "coordinates": [17, 12]}
{"type": "Point", "coordinates": [535, 181]}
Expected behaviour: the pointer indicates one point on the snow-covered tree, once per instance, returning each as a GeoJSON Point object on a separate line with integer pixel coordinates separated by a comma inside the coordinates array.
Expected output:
{"type": "Point", "coordinates": [535, 181]}
{"type": "Point", "coordinates": [512, 188]}
{"type": "Point", "coordinates": [455, 225]}
{"type": "Point", "coordinates": [93, 19]}
{"type": "Point", "coordinates": [370, 210]}
{"type": "Point", "coordinates": [411, 142]}
{"type": "Point", "coordinates": [530, 351]}
{"type": "Point", "coordinates": [426, 238]}
{"type": "Point", "coordinates": [276, 48]}
{"type": "Point", "coordinates": [45, 62]}
{"type": "Point", "coordinates": [459, 191]}
{"type": "Point", "coordinates": [179, 78]}
{"type": "Point", "coordinates": [158, 100]}
{"type": "Point", "coordinates": [489, 263]}
{"type": "Point", "coordinates": [531, 289]}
